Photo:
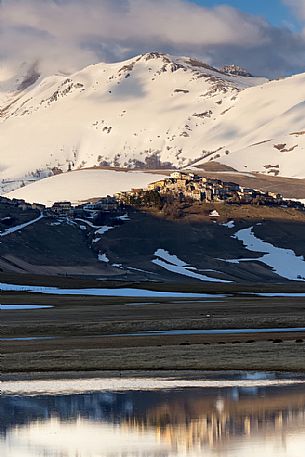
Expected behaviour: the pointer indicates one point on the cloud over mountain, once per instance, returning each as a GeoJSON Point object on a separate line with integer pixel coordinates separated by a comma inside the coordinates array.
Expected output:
{"type": "Point", "coordinates": [65, 35]}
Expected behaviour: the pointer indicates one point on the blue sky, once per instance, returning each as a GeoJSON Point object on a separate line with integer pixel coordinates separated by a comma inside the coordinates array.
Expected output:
{"type": "Point", "coordinates": [273, 10]}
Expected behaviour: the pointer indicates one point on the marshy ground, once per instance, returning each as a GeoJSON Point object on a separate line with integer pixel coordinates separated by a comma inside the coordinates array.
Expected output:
{"type": "Point", "coordinates": [81, 327]}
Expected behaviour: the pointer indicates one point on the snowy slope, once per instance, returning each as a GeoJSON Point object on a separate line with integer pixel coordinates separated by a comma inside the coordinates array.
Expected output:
{"type": "Point", "coordinates": [153, 106]}
{"type": "Point", "coordinates": [151, 109]}
{"type": "Point", "coordinates": [265, 129]}
{"type": "Point", "coordinates": [83, 185]}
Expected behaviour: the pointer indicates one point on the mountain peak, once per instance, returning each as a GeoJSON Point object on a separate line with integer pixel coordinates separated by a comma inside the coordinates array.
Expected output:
{"type": "Point", "coordinates": [236, 70]}
{"type": "Point", "coordinates": [156, 55]}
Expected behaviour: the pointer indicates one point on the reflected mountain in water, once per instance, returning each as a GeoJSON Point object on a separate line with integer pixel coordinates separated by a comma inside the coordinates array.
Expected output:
{"type": "Point", "coordinates": [223, 422]}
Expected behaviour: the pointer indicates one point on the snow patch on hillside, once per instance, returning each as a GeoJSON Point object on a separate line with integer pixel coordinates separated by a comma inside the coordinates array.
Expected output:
{"type": "Point", "coordinates": [103, 258]}
{"type": "Point", "coordinates": [229, 225]}
{"type": "Point", "coordinates": [103, 230]}
{"type": "Point", "coordinates": [20, 227]}
{"type": "Point", "coordinates": [173, 264]}
{"type": "Point", "coordinates": [284, 262]}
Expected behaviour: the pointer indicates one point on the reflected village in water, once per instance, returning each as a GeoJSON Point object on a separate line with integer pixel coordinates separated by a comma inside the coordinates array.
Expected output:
{"type": "Point", "coordinates": [190, 422]}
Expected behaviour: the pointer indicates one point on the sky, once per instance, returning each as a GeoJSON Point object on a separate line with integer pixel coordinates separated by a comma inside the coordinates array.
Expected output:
{"type": "Point", "coordinates": [275, 11]}
{"type": "Point", "coordinates": [267, 37]}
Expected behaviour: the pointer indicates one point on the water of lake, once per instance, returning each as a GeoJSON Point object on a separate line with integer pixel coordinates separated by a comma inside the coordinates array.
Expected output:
{"type": "Point", "coordinates": [231, 421]}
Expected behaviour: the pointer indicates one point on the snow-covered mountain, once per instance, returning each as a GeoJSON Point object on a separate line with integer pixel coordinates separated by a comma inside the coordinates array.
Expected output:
{"type": "Point", "coordinates": [141, 112]}
{"type": "Point", "coordinates": [151, 111]}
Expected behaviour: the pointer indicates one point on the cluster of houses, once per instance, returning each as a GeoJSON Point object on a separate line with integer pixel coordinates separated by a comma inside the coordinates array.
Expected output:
{"type": "Point", "coordinates": [177, 187]}
{"type": "Point", "coordinates": [65, 208]}
{"type": "Point", "coordinates": [21, 204]}
{"type": "Point", "coordinates": [183, 187]}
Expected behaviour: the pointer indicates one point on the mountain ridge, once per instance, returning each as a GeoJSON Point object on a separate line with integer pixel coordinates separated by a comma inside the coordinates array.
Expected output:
{"type": "Point", "coordinates": [152, 111]}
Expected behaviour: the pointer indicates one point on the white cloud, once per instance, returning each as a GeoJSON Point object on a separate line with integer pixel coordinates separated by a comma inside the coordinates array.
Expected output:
{"type": "Point", "coordinates": [65, 35]}
{"type": "Point", "coordinates": [297, 6]}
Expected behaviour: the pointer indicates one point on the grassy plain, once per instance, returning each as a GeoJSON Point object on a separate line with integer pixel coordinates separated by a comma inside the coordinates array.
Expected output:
{"type": "Point", "coordinates": [83, 328]}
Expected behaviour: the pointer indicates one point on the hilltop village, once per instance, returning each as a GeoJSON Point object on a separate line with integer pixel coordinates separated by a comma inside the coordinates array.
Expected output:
{"type": "Point", "coordinates": [178, 188]}
{"type": "Point", "coordinates": [190, 187]}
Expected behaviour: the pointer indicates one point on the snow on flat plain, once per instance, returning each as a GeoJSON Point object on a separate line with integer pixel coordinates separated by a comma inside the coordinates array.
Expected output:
{"type": "Point", "coordinates": [29, 338]}
{"type": "Point", "coordinates": [23, 307]}
{"type": "Point", "coordinates": [281, 294]}
{"type": "Point", "coordinates": [80, 386]}
{"type": "Point", "coordinates": [124, 292]}
{"type": "Point", "coordinates": [175, 265]}
{"type": "Point", "coordinates": [17, 228]}
{"type": "Point", "coordinates": [233, 331]}
{"type": "Point", "coordinates": [83, 185]}
{"type": "Point", "coordinates": [283, 262]}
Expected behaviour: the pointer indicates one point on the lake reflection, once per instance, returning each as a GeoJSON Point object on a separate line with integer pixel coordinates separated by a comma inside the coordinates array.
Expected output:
{"type": "Point", "coordinates": [231, 422]}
